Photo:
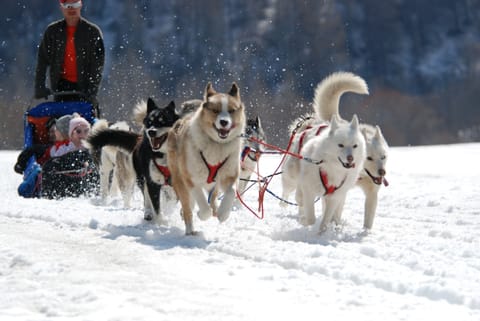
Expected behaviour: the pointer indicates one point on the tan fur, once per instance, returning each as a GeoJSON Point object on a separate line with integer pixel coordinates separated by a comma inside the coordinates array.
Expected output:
{"type": "Point", "coordinates": [212, 130]}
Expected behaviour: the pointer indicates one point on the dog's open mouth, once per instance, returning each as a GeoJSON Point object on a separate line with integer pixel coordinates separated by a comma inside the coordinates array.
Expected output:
{"type": "Point", "coordinates": [222, 132]}
{"type": "Point", "coordinates": [377, 179]}
{"type": "Point", "coordinates": [157, 142]}
{"type": "Point", "coordinates": [347, 164]}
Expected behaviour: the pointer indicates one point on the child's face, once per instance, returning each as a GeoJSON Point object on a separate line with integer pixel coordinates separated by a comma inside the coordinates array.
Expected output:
{"type": "Point", "coordinates": [59, 136]}
{"type": "Point", "coordinates": [79, 133]}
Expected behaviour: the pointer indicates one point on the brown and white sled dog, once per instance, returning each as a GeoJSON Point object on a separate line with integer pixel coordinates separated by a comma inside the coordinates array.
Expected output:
{"type": "Point", "coordinates": [337, 150]}
{"type": "Point", "coordinates": [116, 173]}
{"type": "Point", "coordinates": [204, 155]}
{"type": "Point", "coordinates": [147, 150]}
{"type": "Point", "coordinates": [374, 169]}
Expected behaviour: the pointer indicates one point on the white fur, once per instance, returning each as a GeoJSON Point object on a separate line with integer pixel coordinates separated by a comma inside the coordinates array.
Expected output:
{"type": "Point", "coordinates": [323, 144]}
{"type": "Point", "coordinates": [338, 145]}
{"type": "Point", "coordinates": [115, 162]}
{"type": "Point", "coordinates": [201, 134]}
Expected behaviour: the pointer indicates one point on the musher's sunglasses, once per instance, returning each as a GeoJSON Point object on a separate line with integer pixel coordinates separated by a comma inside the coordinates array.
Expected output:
{"type": "Point", "coordinates": [74, 5]}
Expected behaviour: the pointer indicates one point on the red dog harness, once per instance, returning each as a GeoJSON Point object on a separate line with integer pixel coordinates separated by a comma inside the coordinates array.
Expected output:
{"type": "Point", "coordinates": [212, 169]}
{"type": "Point", "coordinates": [165, 172]}
{"type": "Point", "coordinates": [329, 189]}
{"type": "Point", "coordinates": [304, 133]}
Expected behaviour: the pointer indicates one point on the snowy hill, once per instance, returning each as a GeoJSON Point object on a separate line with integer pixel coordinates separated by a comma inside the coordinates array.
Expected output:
{"type": "Point", "coordinates": [74, 260]}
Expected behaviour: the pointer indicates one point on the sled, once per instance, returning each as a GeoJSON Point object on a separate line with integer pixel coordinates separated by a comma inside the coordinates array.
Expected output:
{"type": "Point", "coordinates": [70, 175]}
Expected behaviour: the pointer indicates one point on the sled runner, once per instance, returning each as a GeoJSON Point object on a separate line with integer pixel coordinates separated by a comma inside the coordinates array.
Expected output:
{"type": "Point", "coordinates": [70, 175]}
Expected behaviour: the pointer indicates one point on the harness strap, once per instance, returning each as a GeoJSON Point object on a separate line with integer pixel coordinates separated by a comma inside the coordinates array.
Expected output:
{"type": "Point", "coordinates": [164, 171]}
{"type": "Point", "coordinates": [329, 189]}
{"type": "Point", "coordinates": [304, 133]}
{"type": "Point", "coordinates": [212, 169]}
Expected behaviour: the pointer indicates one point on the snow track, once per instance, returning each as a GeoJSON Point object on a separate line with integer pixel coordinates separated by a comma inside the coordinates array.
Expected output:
{"type": "Point", "coordinates": [74, 260]}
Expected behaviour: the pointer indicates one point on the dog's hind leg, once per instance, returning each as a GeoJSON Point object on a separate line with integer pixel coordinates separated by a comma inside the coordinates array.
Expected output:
{"type": "Point", "coordinates": [306, 206]}
{"type": "Point", "coordinates": [105, 171]}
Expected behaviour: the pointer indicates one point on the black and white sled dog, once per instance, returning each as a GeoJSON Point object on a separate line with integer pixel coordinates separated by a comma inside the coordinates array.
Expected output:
{"type": "Point", "coordinates": [114, 166]}
{"type": "Point", "coordinates": [252, 150]}
{"type": "Point", "coordinates": [333, 153]}
{"type": "Point", "coordinates": [147, 150]}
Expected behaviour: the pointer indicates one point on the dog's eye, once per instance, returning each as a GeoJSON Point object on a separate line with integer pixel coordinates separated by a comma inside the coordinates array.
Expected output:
{"type": "Point", "coordinates": [383, 157]}
{"type": "Point", "coordinates": [341, 145]}
{"type": "Point", "coordinates": [355, 146]}
{"type": "Point", "coordinates": [369, 158]}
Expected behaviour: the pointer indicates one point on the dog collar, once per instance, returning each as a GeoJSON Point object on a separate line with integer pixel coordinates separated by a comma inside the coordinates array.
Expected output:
{"type": "Point", "coordinates": [329, 189]}
{"type": "Point", "coordinates": [212, 169]}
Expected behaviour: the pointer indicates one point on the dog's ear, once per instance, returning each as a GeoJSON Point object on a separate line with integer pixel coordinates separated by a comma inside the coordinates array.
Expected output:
{"type": "Point", "coordinates": [354, 124]}
{"type": "Point", "coordinates": [171, 106]}
{"type": "Point", "coordinates": [234, 91]}
{"type": "Point", "coordinates": [151, 105]}
{"type": "Point", "coordinates": [333, 124]}
{"type": "Point", "coordinates": [209, 91]}
{"type": "Point", "coordinates": [257, 122]}
{"type": "Point", "coordinates": [378, 134]}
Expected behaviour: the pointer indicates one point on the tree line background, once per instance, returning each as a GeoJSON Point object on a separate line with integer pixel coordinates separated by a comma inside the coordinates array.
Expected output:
{"type": "Point", "coordinates": [420, 58]}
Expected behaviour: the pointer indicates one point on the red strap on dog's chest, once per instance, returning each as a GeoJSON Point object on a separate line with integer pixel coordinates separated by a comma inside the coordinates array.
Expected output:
{"type": "Point", "coordinates": [212, 169]}
{"type": "Point", "coordinates": [165, 172]}
{"type": "Point", "coordinates": [329, 189]}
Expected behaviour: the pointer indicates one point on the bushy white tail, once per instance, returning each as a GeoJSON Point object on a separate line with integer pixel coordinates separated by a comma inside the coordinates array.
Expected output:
{"type": "Point", "coordinates": [139, 112]}
{"type": "Point", "coordinates": [328, 92]}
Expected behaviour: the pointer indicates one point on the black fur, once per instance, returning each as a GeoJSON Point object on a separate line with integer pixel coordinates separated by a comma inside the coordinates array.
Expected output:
{"type": "Point", "coordinates": [156, 124]}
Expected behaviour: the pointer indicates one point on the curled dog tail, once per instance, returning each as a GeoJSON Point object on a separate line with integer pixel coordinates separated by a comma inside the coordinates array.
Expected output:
{"type": "Point", "coordinates": [329, 91]}
{"type": "Point", "coordinates": [124, 140]}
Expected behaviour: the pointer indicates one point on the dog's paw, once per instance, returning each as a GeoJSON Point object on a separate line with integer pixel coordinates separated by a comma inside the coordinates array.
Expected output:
{"type": "Point", "coordinates": [306, 221]}
{"type": "Point", "coordinates": [223, 215]}
{"type": "Point", "coordinates": [283, 204]}
{"type": "Point", "coordinates": [205, 214]}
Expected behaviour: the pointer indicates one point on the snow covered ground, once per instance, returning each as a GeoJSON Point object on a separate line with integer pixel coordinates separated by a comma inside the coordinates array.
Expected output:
{"type": "Point", "coordinates": [74, 260]}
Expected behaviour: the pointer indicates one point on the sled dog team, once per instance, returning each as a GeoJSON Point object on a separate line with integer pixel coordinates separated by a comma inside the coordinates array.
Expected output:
{"type": "Point", "coordinates": [200, 150]}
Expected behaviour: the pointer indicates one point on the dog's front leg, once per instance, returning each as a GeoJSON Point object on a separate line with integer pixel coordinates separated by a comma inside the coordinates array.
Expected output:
{"type": "Point", "coordinates": [187, 205]}
{"type": "Point", "coordinates": [204, 210]}
{"type": "Point", "coordinates": [330, 206]}
{"type": "Point", "coordinates": [227, 202]}
{"type": "Point", "coordinates": [148, 208]}
{"type": "Point", "coordinates": [337, 217]}
{"type": "Point", "coordinates": [371, 201]}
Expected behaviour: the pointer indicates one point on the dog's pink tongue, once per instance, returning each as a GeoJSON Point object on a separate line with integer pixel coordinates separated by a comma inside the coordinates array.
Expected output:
{"type": "Point", "coordinates": [385, 182]}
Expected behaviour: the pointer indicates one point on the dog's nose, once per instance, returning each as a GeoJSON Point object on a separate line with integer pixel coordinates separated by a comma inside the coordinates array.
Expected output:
{"type": "Point", "coordinates": [223, 123]}
{"type": "Point", "coordinates": [152, 132]}
{"type": "Point", "coordinates": [382, 172]}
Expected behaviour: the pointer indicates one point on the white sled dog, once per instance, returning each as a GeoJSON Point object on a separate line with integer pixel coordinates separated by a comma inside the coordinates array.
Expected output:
{"type": "Point", "coordinates": [115, 166]}
{"type": "Point", "coordinates": [333, 153]}
{"type": "Point", "coordinates": [204, 155]}
{"type": "Point", "coordinates": [374, 169]}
